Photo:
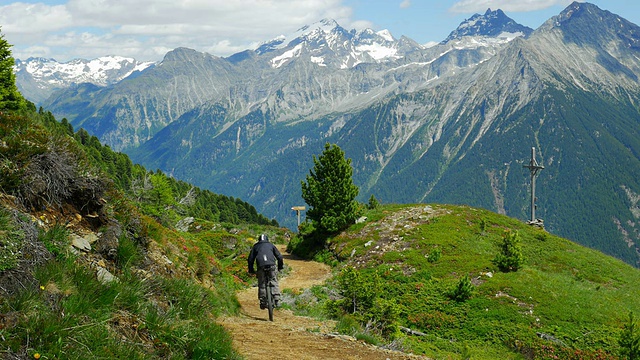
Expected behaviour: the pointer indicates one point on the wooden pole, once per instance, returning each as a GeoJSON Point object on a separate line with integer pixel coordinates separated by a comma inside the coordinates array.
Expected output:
{"type": "Point", "coordinates": [298, 209]}
{"type": "Point", "coordinates": [534, 168]}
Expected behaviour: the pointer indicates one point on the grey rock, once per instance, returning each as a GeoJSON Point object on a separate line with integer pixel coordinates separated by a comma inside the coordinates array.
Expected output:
{"type": "Point", "coordinates": [183, 225]}
{"type": "Point", "coordinates": [80, 243]}
{"type": "Point", "coordinates": [104, 276]}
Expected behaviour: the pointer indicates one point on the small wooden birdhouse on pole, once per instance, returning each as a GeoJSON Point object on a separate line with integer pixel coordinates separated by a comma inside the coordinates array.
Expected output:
{"type": "Point", "coordinates": [298, 209]}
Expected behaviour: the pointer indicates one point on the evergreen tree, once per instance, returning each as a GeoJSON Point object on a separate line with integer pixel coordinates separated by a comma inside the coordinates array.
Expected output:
{"type": "Point", "coordinates": [510, 257]}
{"type": "Point", "coordinates": [10, 98]}
{"type": "Point", "coordinates": [463, 290]}
{"type": "Point", "coordinates": [329, 191]}
{"type": "Point", "coordinates": [630, 341]}
{"type": "Point", "coordinates": [373, 203]}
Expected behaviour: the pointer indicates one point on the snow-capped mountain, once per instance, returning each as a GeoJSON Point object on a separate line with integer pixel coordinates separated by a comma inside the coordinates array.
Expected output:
{"type": "Point", "coordinates": [451, 123]}
{"type": "Point", "coordinates": [492, 24]}
{"type": "Point", "coordinates": [328, 44]}
{"type": "Point", "coordinates": [38, 78]}
{"type": "Point", "coordinates": [320, 69]}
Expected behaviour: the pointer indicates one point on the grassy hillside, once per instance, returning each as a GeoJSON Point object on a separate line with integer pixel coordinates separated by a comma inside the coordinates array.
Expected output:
{"type": "Point", "coordinates": [102, 259]}
{"type": "Point", "coordinates": [432, 270]}
{"type": "Point", "coordinates": [422, 278]}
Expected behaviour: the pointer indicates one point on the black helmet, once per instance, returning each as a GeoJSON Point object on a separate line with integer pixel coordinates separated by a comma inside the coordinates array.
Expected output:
{"type": "Point", "coordinates": [263, 238]}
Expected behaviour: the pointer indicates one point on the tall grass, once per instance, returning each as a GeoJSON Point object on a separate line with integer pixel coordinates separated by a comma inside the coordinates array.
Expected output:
{"type": "Point", "coordinates": [72, 315]}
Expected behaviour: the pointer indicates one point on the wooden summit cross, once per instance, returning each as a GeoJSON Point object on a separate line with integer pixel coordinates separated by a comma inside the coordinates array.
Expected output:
{"type": "Point", "coordinates": [534, 167]}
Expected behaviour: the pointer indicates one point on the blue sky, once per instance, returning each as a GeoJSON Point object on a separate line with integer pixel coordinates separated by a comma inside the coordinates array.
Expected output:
{"type": "Point", "coordinates": [148, 29]}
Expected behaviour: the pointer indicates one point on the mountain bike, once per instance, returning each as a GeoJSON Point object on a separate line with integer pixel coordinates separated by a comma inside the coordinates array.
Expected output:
{"type": "Point", "coordinates": [270, 273]}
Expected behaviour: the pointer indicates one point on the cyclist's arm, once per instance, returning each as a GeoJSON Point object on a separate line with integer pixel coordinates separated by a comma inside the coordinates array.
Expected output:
{"type": "Point", "coordinates": [251, 259]}
{"type": "Point", "coordinates": [279, 257]}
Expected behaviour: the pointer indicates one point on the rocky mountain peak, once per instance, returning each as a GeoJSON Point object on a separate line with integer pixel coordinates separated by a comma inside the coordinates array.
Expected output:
{"type": "Point", "coordinates": [490, 24]}
{"type": "Point", "coordinates": [586, 25]}
{"type": "Point", "coordinates": [326, 43]}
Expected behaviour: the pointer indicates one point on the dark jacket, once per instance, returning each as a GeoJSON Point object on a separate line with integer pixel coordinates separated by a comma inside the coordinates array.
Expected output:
{"type": "Point", "coordinates": [265, 253]}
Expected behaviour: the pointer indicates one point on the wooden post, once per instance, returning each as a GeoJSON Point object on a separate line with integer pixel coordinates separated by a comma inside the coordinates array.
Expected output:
{"type": "Point", "coordinates": [298, 209]}
{"type": "Point", "coordinates": [534, 167]}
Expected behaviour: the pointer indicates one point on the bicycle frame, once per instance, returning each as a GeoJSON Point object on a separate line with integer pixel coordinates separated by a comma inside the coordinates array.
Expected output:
{"type": "Point", "coordinates": [270, 274]}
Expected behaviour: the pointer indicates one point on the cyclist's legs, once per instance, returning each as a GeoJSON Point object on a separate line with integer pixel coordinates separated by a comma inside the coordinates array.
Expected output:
{"type": "Point", "coordinates": [276, 288]}
{"type": "Point", "coordinates": [262, 283]}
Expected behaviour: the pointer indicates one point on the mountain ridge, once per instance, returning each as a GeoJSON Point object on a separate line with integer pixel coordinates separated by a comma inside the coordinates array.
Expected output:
{"type": "Point", "coordinates": [465, 112]}
{"type": "Point", "coordinates": [38, 78]}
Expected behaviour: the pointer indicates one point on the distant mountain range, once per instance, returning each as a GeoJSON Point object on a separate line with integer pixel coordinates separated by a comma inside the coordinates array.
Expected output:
{"type": "Point", "coordinates": [38, 78]}
{"type": "Point", "coordinates": [451, 123]}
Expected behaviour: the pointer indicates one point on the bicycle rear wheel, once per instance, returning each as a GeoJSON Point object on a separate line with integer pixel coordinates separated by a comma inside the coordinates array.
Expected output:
{"type": "Point", "coordinates": [270, 301]}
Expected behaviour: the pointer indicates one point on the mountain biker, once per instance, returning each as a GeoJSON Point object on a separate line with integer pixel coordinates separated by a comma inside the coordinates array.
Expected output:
{"type": "Point", "coordinates": [265, 254]}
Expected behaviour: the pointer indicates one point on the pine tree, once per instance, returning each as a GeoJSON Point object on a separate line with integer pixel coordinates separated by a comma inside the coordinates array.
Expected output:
{"type": "Point", "coordinates": [10, 98]}
{"type": "Point", "coordinates": [329, 191]}
{"type": "Point", "coordinates": [373, 203]}
{"type": "Point", "coordinates": [510, 257]}
{"type": "Point", "coordinates": [463, 290]}
{"type": "Point", "coordinates": [629, 341]}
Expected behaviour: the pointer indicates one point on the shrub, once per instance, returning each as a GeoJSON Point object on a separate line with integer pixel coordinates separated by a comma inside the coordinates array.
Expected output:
{"type": "Point", "coordinates": [483, 226]}
{"type": "Point", "coordinates": [373, 203]}
{"type": "Point", "coordinates": [358, 291]}
{"type": "Point", "coordinates": [510, 257]}
{"type": "Point", "coordinates": [629, 340]}
{"type": "Point", "coordinates": [434, 255]}
{"type": "Point", "coordinates": [463, 290]}
{"type": "Point", "coordinates": [348, 325]}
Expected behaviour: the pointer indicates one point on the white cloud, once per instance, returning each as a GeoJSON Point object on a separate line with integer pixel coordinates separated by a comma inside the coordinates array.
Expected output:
{"type": "Point", "coordinates": [22, 18]}
{"type": "Point", "coordinates": [405, 4]}
{"type": "Point", "coordinates": [146, 29]}
{"type": "Point", "coordinates": [474, 6]}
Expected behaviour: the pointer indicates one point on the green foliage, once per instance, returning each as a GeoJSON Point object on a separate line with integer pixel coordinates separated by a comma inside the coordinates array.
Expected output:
{"type": "Point", "coordinates": [348, 325]}
{"type": "Point", "coordinates": [566, 292]}
{"type": "Point", "coordinates": [373, 203]}
{"type": "Point", "coordinates": [329, 191]}
{"type": "Point", "coordinates": [42, 164]}
{"type": "Point", "coordinates": [510, 257]}
{"type": "Point", "coordinates": [463, 290]}
{"type": "Point", "coordinates": [10, 98]}
{"type": "Point", "coordinates": [309, 244]}
{"type": "Point", "coordinates": [630, 340]}
{"type": "Point", "coordinates": [483, 226]}
{"type": "Point", "coordinates": [74, 316]}
{"type": "Point", "coordinates": [55, 240]}
{"type": "Point", "coordinates": [362, 298]}
{"type": "Point", "coordinates": [10, 242]}
{"type": "Point", "coordinates": [435, 255]}
{"type": "Point", "coordinates": [128, 253]}
{"type": "Point", "coordinates": [358, 292]}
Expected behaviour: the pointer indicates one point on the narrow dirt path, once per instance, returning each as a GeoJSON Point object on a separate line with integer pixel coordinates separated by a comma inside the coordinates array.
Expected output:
{"type": "Point", "coordinates": [295, 337]}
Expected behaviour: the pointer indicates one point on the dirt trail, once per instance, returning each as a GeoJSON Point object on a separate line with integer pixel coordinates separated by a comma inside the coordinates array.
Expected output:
{"type": "Point", "coordinates": [295, 337]}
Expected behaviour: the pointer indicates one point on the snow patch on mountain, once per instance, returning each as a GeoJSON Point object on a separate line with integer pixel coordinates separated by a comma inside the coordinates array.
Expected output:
{"type": "Point", "coordinates": [378, 51]}
{"type": "Point", "coordinates": [319, 60]}
{"type": "Point", "coordinates": [385, 34]}
{"type": "Point", "coordinates": [278, 61]}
